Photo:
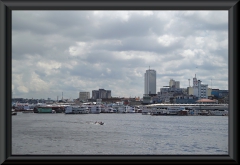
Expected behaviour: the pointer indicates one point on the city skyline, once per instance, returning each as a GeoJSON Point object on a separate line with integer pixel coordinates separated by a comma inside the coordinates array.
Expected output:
{"type": "Point", "coordinates": [113, 49]}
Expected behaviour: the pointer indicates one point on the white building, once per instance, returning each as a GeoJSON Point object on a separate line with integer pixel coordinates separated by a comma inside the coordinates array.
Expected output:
{"type": "Point", "coordinates": [199, 90]}
{"type": "Point", "coordinates": [150, 81]}
{"type": "Point", "coordinates": [84, 96]}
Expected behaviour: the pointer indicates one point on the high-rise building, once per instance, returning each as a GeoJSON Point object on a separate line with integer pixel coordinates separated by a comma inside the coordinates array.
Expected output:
{"type": "Point", "coordinates": [174, 84]}
{"type": "Point", "coordinates": [101, 93]}
{"type": "Point", "coordinates": [150, 79]}
{"type": "Point", "coordinates": [177, 84]}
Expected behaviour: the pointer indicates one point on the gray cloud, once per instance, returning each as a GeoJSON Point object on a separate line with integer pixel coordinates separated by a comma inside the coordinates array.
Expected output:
{"type": "Point", "coordinates": [72, 51]}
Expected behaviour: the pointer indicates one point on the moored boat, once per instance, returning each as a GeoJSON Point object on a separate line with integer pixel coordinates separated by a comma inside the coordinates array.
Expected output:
{"type": "Point", "coordinates": [76, 110]}
{"type": "Point", "coordinates": [44, 109]}
{"type": "Point", "coordinates": [129, 109]}
{"type": "Point", "coordinates": [94, 109]}
{"type": "Point", "coordinates": [13, 112]}
{"type": "Point", "coordinates": [218, 112]}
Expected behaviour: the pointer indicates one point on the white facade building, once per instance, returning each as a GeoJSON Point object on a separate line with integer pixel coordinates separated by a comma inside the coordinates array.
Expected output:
{"type": "Point", "coordinates": [150, 81]}
{"type": "Point", "coordinates": [84, 96]}
{"type": "Point", "coordinates": [199, 90]}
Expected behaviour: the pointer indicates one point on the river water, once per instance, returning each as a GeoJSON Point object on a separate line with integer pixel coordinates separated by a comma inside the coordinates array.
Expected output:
{"type": "Point", "coordinates": [121, 134]}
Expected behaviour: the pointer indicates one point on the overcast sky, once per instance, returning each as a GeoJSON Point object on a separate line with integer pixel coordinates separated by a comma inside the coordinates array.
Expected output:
{"type": "Point", "coordinates": [73, 51]}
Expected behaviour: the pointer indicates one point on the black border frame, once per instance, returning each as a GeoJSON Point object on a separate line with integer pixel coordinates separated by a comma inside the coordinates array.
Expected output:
{"type": "Point", "coordinates": [6, 6]}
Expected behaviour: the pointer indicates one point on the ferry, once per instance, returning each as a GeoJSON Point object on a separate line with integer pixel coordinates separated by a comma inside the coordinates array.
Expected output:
{"type": "Point", "coordinates": [129, 109]}
{"type": "Point", "coordinates": [94, 109]}
{"type": "Point", "coordinates": [118, 107]}
{"type": "Point", "coordinates": [219, 112]}
{"type": "Point", "coordinates": [169, 111]}
{"type": "Point", "coordinates": [174, 110]}
{"type": "Point", "coordinates": [76, 110]}
{"type": "Point", "coordinates": [43, 109]}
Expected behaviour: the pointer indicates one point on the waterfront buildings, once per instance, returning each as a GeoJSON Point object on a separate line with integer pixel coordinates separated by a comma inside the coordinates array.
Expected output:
{"type": "Point", "coordinates": [150, 80]}
{"type": "Point", "coordinates": [84, 96]}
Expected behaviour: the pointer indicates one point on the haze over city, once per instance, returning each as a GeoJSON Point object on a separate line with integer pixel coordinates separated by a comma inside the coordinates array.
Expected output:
{"type": "Point", "coordinates": [74, 51]}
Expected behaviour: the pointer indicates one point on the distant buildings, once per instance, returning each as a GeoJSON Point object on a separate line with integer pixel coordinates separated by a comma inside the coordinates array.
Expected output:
{"type": "Point", "coordinates": [84, 96]}
{"type": "Point", "coordinates": [150, 80]}
{"type": "Point", "coordinates": [101, 93]}
{"type": "Point", "coordinates": [200, 90]}
{"type": "Point", "coordinates": [174, 84]}
{"type": "Point", "coordinates": [169, 94]}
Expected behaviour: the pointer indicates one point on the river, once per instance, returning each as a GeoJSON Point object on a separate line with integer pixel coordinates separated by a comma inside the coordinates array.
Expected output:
{"type": "Point", "coordinates": [121, 134]}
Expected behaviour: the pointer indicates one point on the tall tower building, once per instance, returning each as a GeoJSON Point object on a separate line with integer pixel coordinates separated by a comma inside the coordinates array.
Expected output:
{"type": "Point", "coordinates": [150, 80]}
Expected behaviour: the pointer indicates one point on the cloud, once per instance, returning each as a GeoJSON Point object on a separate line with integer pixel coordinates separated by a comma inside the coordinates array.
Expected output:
{"type": "Point", "coordinates": [73, 51]}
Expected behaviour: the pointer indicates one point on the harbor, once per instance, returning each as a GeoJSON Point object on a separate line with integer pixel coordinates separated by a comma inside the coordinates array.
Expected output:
{"type": "Point", "coordinates": [152, 109]}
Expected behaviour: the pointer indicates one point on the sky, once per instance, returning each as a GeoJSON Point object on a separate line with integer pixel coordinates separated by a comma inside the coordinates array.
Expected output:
{"type": "Point", "coordinates": [62, 53]}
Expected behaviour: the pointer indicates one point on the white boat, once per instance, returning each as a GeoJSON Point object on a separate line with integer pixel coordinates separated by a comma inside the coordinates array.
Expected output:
{"type": "Point", "coordinates": [94, 109]}
{"type": "Point", "coordinates": [111, 110]}
{"type": "Point", "coordinates": [146, 112]}
{"type": "Point", "coordinates": [129, 109]}
{"type": "Point", "coordinates": [219, 112]}
{"type": "Point", "coordinates": [118, 107]}
{"type": "Point", "coordinates": [174, 110]}
{"type": "Point", "coordinates": [76, 110]}
{"type": "Point", "coordinates": [157, 112]}
{"type": "Point", "coordinates": [13, 112]}
{"type": "Point", "coordinates": [171, 110]}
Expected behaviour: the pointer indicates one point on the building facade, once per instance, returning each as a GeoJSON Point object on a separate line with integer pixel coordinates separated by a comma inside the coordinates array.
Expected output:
{"type": "Point", "coordinates": [200, 90]}
{"type": "Point", "coordinates": [174, 84]}
{"type": "Point", "coordinates": [101, 93]}
{"type": "Point", "coordinates": [150, 81]}
{"type": "Point", "coordinates": [84, 96]}
{"type": "Point", "coordinates": [219, 93]}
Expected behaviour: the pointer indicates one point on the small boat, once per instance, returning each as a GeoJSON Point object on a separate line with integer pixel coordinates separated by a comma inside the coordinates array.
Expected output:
{"type": "Point", "coordinates": [14, 113]}
{"type": "Point", "coordinates": [100, 123]}
{"type": "Point", "coordinates": [76, 110]}
{"type": "Point", "coordinates": [28, 111]}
